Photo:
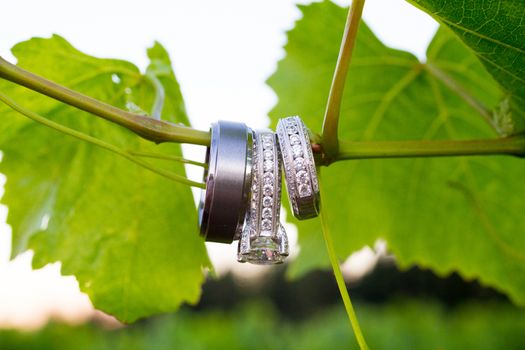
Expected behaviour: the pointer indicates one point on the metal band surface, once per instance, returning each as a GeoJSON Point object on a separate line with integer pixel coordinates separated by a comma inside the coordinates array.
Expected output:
{"type": "Point", "coordinates": [263, 240]}
{"type": "Point", "coordinates": [299, 167]}
{"type": "Point", "coordinates": [228, 179]}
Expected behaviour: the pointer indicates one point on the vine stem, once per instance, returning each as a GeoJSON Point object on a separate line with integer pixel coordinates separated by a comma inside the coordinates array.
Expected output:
{"type": "Point", "coordinates": [161, 131]}
{"type": "Point", "coordinates": [149, 128]}
{"type": "Point", "coordinates": [79, 135]}
{"type": "Point", "coordinates": [333, 106]}
{"type": "Point", "coordinates": [339, 276]}
{"type": "Point", "coordinates": [512, 145]}
{"type": "Point", "coordinates": [167, 157]}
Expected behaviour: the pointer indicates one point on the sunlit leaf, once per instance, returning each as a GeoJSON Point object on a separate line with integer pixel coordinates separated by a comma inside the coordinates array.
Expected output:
{"type": "Point", "coordinates": [128, 235]}
{"type": "Point", "coordinates": [495, 31]}
{"type": "Point", "coordinates": [448, 214]}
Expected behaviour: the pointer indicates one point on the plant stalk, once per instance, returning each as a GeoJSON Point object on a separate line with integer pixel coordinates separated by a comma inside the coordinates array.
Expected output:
{"type": "Point", "coordinates": [333, 106]}
{"type": "Point", "coordinates": [332, 255]}
{"type": "Point", "coordinates": [161, 131]}
{"type": "Point", "coordinates": [167, 157]}
{"type": "Point", "coordinates": [149, 128]}
{"type": "Point", "coordinates": [90, 139]}
{"type": "Point", "coordinates": [513, 145]}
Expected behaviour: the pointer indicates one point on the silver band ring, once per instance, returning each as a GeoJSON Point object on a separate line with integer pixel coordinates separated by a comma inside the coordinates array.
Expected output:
{"type": "Point", "coordinates": [299, 167]}
{"type": "Point", "coordinates": [263, 240]}
{"type": "Point", "coordinates": [223, 204]}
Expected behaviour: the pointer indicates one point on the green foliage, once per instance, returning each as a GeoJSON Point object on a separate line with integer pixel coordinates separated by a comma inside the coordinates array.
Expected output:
{"type": "Point", "coordinates": [448, 214]}
{"type": "Point", "coordinates": [128, 235]}
{"type": "Point", "coordinates": [495, 32]}
{"type": "Point", "coordinates": [258, 326]}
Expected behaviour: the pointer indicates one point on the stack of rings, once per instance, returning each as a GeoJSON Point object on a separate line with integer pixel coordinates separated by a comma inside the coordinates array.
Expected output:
{"type": "Point", "coordinates": [242, 199]}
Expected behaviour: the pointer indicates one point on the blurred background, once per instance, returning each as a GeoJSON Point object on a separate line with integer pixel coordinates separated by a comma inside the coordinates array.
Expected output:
{"type": "Point", "coordinates": [223, 51]}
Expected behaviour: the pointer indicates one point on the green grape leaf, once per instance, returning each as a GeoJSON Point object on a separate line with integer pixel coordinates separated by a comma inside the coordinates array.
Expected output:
{"type": "Point", "coordinates": [448, 214]}
{"type": "Point", "coordinates": [495, 32]}
{"type": "Point", "coordinates": [128, 235]}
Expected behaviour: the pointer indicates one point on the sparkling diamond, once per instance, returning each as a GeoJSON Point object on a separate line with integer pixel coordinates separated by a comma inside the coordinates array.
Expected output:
{"type": "Point", "coordinates": [245, 241]}
{"type": "Point", "coordinates": [264, 251]}
{"type": "Point", "coordinates": [302, 177]}
{"type": "Point", "coordinates": [295, 140]}
{"type": "Point", "coordinates": [267, 202]}
{"type": "Point", "coordinates": [266, 225]}
{"type": "Point", "coordinates": [291, 129]}
{"type": "Point", "coordinates": [268, 165]}
{"type": "Point", "coordinates": [304, 190]}
{"type": "Point", "coordinates": [268, 155]}
{"type": "Point", "coordinates": [283, 241]}
{"type": "Point", "coordinates": [267, 138]}
{"type": "Point", "coordinates": [299, 163]}
{"type": "Point", "coordinates": [297, 151]}
{"type": "Point", "coordinates": [267, 141]}
{"type": "Point", "coordinates": [244, 245]}
{"type": "Point", "coordinates": [268, 179]}
{"type": "Point", "coordinates": [267, 213]}
{"type": "Point", "coordinates": [268, 190]}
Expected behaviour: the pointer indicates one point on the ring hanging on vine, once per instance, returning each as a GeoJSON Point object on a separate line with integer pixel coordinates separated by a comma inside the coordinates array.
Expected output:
{"type": "Point", "coordinates": [228, 180]}
{"type": "Point", "coordinates": [299, 168]}
{"type": "Point", "coordinates": [242, 199]}
{"type": "Point", "coordinates": [264, 240]}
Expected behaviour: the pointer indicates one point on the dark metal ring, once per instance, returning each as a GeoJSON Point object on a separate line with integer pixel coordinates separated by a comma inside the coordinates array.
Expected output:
{"type": "Point", "coordinates": [223, 204]}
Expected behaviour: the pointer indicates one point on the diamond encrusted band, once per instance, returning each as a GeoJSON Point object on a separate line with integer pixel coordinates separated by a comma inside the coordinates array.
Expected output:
{"type": "Point", "coordinates": [228, 179]}
{"type": "Point", "coordinates": [263, 240]}
{"type": "Point", "coordinates": [299, 167]}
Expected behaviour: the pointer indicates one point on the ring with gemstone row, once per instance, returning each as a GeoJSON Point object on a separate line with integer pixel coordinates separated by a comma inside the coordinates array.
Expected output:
{"type": "Point", "coordinates": [299, 167]}
{"type": "Point", "coordinates": [263, 240]}
{"type": "Point", "coordinates": [223, 204]}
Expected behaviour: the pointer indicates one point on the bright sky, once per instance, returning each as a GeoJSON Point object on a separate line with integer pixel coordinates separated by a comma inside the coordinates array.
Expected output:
{"type": "Point", "coordinates": [222, 51]}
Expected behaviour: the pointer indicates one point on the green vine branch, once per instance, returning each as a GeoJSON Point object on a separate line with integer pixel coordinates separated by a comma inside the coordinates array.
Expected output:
{"type": "Point", "coordinates": [513, 145]}
{"type": "Point", "coordinates": [161, 131]}
{"type": "Point", "coordinates": [333, 107]}
{"type": "Point", "coordinates": [149, 128]}
{"type": "Point", "coordinates": [167, 157]}
{"type": "Point", "coordinates": [332, 255]}
{"type": "Point", "coordinates": [79, 135]}
{"type": "Point", "coordinates": [330, 147]}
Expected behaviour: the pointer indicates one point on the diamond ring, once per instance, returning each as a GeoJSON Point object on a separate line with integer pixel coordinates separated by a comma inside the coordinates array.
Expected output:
{"type": "Point", "coordinates": [299, 167]}
{"type": "Point", "coordinates": [263, 240]}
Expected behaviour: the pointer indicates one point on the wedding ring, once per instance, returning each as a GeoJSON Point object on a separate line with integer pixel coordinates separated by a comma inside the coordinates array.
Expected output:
{"type": "Point", "coordinates": [299, 167]}
{"type": "Point", "coordinates": [223, 204]}
{"type": "Point", "coordinates": [263, 240]}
